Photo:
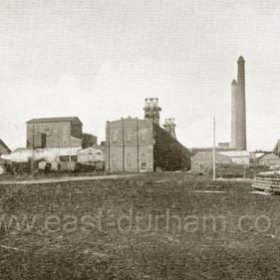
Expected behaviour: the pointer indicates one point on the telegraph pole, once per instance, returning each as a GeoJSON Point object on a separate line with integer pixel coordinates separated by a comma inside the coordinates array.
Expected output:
{"type": "Point", "coordinates": [33, 150]}
{"type": "Point", "coordinates": [214, 149]}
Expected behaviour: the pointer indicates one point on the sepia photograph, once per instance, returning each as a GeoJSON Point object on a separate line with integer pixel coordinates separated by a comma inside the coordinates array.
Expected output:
{"type": "Point", "coordinates": [139, 140]}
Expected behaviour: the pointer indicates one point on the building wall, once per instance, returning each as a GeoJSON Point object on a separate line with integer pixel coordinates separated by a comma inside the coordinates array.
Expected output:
{"type": "Point", "coordinates": [57, 134]}
{"type": "Point", "coordinates": [90, 155]}
{"type": "Point", "coordinates": [129, 145]}
{"type": "Point", "coordinates": [202, 162]}
{"type": "Point", "coordinates": [238, 157]}
{"type": "Point", "coordinates": [269, 160]}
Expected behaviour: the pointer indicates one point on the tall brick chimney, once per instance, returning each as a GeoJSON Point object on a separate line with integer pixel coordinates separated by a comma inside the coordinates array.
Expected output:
{"type": "Point", "coordinates": [238, 109]}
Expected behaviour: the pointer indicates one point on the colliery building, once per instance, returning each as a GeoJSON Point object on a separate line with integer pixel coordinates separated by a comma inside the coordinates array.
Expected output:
{"type": "Point", "coordinates": [135, 145]}
{"type": "Point", "coordinates": [54, 132]}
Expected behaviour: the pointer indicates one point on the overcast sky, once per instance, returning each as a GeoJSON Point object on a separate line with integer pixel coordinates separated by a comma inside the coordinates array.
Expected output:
{"type": "Point", "coordinates": [99, 60]}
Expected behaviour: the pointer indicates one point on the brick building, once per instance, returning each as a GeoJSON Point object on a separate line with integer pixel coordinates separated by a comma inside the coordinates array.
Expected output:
{"type": "Point", "coordinates": [129, 145]}
{"type": "Point", "coordinates": [54, 132]}
{"type": "Point", "coordinates": [135, 145]}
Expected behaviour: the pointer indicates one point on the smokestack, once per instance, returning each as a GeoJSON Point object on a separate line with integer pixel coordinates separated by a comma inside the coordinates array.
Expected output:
{"type": "Point", "coordinates": [238, 109]}
{"type": "Point", "coordinates": [234, 94]}
{"type": "Point", "coordinates": [152, 110]}
{"type": "Point", "coordinates": [169, 126]}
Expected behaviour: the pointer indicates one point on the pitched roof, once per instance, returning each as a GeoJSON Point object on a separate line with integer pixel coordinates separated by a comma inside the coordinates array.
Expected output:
{"type": "Point", "coordinates": [58, 119]}
{"type": "Point", "coordinates": [5, 146]}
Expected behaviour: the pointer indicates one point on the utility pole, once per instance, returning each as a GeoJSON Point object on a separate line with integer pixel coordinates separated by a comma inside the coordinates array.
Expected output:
{"type": "Point", "coordinates": [70, 157]}
{"type": "Point", "coordinates": [214, 149]}
{"type": "Point", "coordinates": [33, 150]}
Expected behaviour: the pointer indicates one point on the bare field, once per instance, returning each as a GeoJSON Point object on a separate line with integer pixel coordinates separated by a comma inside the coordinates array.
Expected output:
{"type": "Point", "coordinates": [153, 226]}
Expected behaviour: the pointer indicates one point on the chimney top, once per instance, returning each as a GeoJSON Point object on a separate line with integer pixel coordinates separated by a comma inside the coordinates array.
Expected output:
{"type": "Point", "coordinates": [241, 59]}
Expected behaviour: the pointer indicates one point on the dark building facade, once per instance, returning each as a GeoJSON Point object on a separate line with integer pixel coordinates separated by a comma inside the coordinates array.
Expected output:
{"type": "Point", "coordinates": [89, 140]}
{"type": "Point", "coordinates": [54, 132]}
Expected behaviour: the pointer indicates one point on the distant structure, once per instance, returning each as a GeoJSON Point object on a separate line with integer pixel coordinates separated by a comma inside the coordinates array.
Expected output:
{"type": "Point", "coordinates": [4, 149]}
{"type": "Point", "coordinates": [64, 132]}
{"type": "Point", "coordinates": [129, 145]}
{"type": "Point", "coordinates": [169, 126]}
{"type": "Point", "coordinates": [88, 140]}
{"type": "Point", "coordinates": [152, 110]}
{"type": "Point", "coordinates": [238, 109]}
{"type": "Point", "coordinates": [202, 161]}
{"type": "Point", "coordinates": [269, 159]}
{"type": "Point", "coordinates": [135, 145]}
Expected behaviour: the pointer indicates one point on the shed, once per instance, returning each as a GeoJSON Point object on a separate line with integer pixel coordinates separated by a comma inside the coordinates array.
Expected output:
{"type": "Point", "coordinates": [90, 155]}
{"type": "Point", "coordinates": [202, 162]}
{"type": "Point", "coordinates": [238, 157]}
{"type": "Point", "coordinates": [269, 160]}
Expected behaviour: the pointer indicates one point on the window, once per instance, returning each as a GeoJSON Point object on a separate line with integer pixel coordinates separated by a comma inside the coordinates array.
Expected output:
{"type": "Point", "coordinates": [67, 158]}
{"type": "Point", "coordinates": [128, 160]}
{"type": "Point", "coordinates": [128, 136]}
{"type": "Point", "coordinates": [143, 165]}
{"type": "Point", "coordinates": [115, 136]}
{"type": "Point", "coordinates": [64, 158]}
{"type": "Point", "coordinates": [143, 135]}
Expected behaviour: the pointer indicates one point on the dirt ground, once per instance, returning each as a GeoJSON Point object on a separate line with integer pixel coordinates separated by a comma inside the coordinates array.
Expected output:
{"type": "Point", "coordinates": [152, 226]}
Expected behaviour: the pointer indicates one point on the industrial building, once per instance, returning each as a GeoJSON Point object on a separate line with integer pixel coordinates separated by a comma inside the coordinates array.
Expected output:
{"type": "Point", "coordinates": [202, 162]}
{"type": "Point", "coordinates": [238, 157]}
{"type": "Point", "coordinates": [269, 159]}
{"type": "Point", "coordinates": [135, 145]}
{"type": "Point", "coordinates": [238, 109]}
{"type": "Point", "coordinates": [54, 132]}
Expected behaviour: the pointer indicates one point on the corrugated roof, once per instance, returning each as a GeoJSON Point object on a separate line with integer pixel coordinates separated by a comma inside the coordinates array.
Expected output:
{"type": "Point", "coordinates": [57, 119]}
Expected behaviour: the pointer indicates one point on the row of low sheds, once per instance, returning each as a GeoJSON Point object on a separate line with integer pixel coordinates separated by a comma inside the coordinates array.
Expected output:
{"type": "Point", "coordinates": [58, 159]}
{"type": "Point", "coordinates": [202, 161]}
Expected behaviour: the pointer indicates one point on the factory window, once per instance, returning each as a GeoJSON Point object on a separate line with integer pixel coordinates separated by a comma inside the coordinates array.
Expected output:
{"type": "Point", "coordinates": [115, 136]}
{"type": "Point", "coordinates": [91, 157]}
{"type": "Point", "coordinates": [67, 158]}
{"type": "Point", "coordinates": [64, 134]}
{"type": "Point", "coordinates": [128, 136]}
{"type": "Point", "coordinates": [143, 135]}
{"type": "Point", "coordinates": [143, 165]}
{"type": "Point", "coordinates": [128, 160]}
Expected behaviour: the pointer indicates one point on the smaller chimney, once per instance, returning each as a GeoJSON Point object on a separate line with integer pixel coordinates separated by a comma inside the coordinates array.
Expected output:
{"type": "Point", "coordinates": [169, 126]}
